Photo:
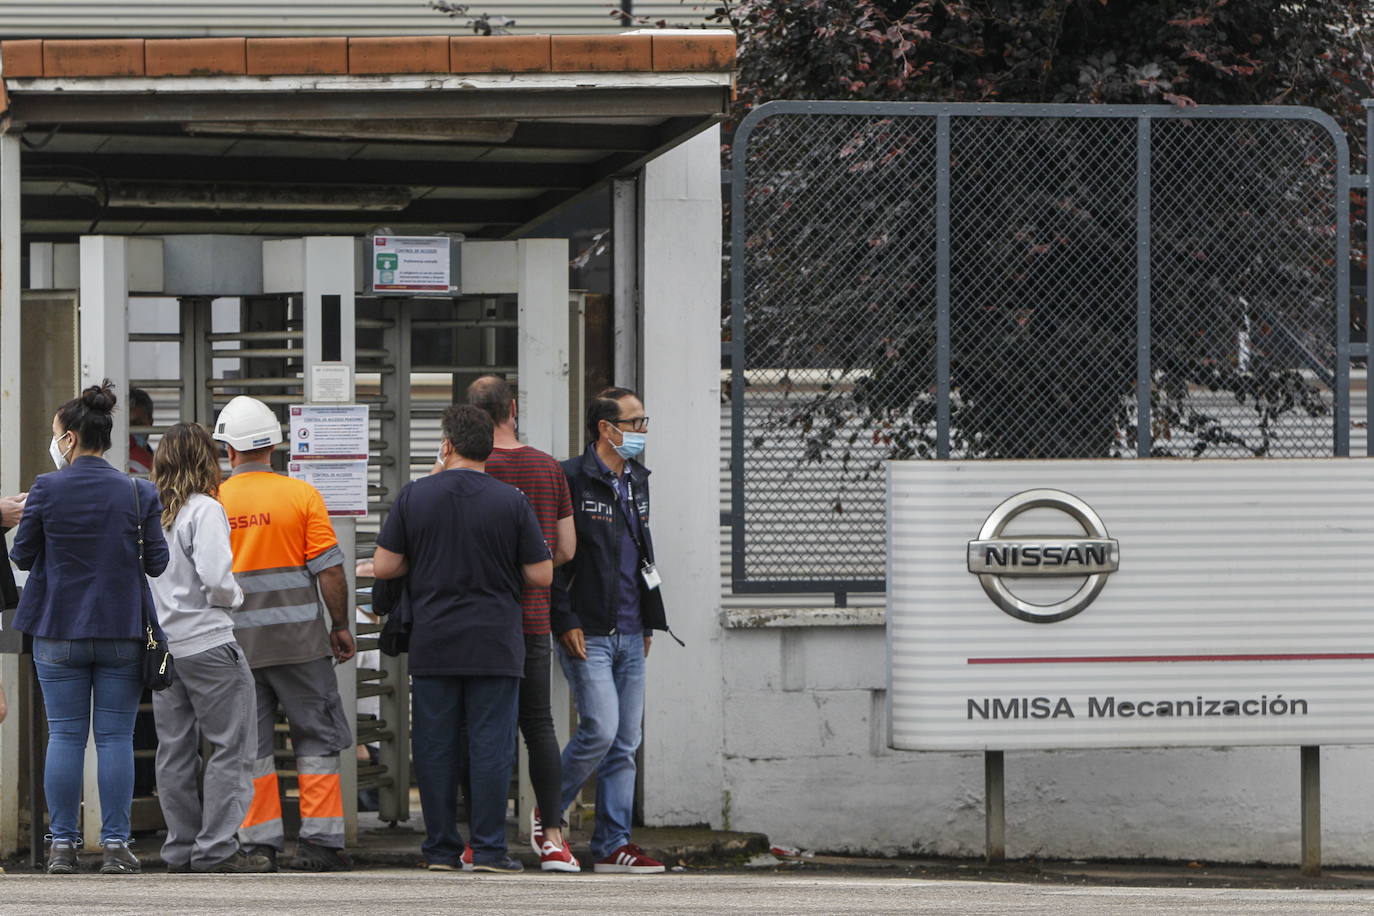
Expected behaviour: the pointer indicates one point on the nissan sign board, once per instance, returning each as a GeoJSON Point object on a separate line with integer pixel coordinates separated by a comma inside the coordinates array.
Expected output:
{"type": "Point", "coordinates": [1130, 603]}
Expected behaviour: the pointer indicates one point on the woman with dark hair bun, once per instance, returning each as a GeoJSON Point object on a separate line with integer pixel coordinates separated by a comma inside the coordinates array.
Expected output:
{"type": "Point", "coordinates": [83, 606]}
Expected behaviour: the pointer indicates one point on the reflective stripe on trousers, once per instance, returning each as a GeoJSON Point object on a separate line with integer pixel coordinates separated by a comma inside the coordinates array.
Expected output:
{"type": "Point", "coordinates": [262, 824]}
{"type": "Point", "coordinates": [322, 813]}
{"type": "Point", "coordinates": [321, 801]}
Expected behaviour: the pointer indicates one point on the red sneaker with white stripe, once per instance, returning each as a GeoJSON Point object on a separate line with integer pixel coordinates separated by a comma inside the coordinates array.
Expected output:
{"type": "Point", "coordinates": [558, 858]}
{"type": "Point", "coordinates": [467, 858]}
{"type": "Point", "coordinates": [628, 860]}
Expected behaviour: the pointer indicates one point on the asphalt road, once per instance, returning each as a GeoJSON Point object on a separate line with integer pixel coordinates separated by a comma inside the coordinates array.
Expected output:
{"type": "Point", "coordinates": [395, 892]}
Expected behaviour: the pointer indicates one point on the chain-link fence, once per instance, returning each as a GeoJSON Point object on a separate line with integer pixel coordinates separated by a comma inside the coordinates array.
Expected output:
{"type": "Point", "coordinates": [920, 281]}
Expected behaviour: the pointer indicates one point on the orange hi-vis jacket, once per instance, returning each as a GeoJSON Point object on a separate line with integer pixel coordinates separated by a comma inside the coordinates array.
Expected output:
{"type": "Point", "coordinates": [282, 539]}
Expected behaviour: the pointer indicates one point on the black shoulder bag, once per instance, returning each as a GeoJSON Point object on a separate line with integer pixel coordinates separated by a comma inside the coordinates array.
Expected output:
{"type": "Point", "coordinates": [158, 672]}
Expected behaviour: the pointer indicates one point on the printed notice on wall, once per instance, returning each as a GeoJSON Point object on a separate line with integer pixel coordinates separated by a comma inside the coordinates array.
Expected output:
{"type": "Point", "coordinates": [330, 382]}
{"type": "Point", "coordinates": [411, 264]}
{"type": "Point", "coordinates": [325, 433]}
{"type": "Point", "coordinates": [343, 484]}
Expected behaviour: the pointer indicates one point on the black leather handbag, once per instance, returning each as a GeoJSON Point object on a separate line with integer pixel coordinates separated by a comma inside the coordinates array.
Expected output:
{"type": "Point", "coordinates": [158, 671]}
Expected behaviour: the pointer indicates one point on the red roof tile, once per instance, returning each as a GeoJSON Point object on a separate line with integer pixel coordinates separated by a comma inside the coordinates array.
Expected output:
{"type": "Point", "coordinates": [312, 56]}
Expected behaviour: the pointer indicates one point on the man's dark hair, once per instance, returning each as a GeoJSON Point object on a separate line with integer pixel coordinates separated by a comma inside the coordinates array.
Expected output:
{"type": "Point", "coordinates": [468, 429]}
{"type": "Point", "coordinates": [494, 395]}
{"type": "Point", "coordinates": [605, 406]}
{"type": "Point", "coordinates": [140, 398]}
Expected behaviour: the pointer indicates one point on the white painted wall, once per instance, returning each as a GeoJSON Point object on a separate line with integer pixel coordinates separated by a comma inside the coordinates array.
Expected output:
{"type": "Point", "coordinates": [681, 366]}
{"type": "Point", "coordinates": [805, 762]}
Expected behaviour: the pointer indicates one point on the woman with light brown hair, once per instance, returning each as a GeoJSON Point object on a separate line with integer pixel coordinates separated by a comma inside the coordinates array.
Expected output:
{"type": "Point", "coordinates": [213, 696]}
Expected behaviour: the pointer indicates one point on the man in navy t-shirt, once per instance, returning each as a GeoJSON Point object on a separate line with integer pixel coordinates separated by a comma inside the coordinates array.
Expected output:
{"type": "Point", "coordinates": [467, 543]}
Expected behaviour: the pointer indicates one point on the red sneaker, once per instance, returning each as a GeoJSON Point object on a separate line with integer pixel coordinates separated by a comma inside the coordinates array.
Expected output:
{"type": "Point", "coordinates": [467, 858]}
{"type": "Point", "coordinates": [628, 860]}
{"type": "Point", "coordinates": [558, 858]}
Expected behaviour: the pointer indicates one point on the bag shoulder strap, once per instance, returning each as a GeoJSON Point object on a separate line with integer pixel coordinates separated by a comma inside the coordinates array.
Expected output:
{"type": "Point", "coordinates": [138, 529]}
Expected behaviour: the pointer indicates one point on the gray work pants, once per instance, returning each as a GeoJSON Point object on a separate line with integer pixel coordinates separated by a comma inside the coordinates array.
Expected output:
{"type": "Point", "coordinates": [212, 697]}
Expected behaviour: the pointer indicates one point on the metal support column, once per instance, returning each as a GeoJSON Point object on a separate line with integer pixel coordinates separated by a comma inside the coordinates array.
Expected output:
{"type": "Point", "coordinates": [625, 272]}
{"type": "Point", "coordinates": [329, 321]}
{"type": "Point", "coordinates": [10, 346]}
{"type": "Point", "coordinates": [542, 351]}
{"type": "Point", "coordinates": [1311, 810]}
{"type": "Point", "coordinates": [995, 808]}
{"type": "Point", "coordinates": [196, 405]}
{"type": "Point", "coordinates": [105, 328]}
{"type": "Point", "coordinates": [104, 354]}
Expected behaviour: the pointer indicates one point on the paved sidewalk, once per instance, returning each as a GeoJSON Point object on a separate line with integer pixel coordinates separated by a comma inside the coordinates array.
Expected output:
{"type": "Point", "coordinates": [402, 892]}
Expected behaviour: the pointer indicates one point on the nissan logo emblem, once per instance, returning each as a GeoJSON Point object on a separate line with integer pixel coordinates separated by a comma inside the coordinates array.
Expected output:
{"type": "Point", "coordinates": [994, 558]}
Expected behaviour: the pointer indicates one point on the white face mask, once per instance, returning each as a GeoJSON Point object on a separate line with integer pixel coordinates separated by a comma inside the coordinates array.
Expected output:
{"type": "Point", "coordinates": [59, 457]}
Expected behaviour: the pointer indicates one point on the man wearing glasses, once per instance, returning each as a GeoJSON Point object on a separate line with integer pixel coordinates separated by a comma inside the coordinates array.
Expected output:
{"type": "Point", "coordinates": [606, 605]}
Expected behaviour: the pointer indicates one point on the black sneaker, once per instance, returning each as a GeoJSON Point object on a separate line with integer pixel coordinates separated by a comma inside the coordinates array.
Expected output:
{"type": "Point", "coordinates": [119, 860]}
{"type": "Point", "coordinates": [183, 869]}
{"type": "Point", "coordinates": [61, 857]}
{"type": "Point", "coordinates": [314, 857]}
{"type": "Point", "coordinates": [241, 862]}
{"type": "Point", "coordinates": [504, 866]}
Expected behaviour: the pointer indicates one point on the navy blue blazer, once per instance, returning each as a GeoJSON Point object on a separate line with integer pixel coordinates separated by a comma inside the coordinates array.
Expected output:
{"type": "Point", "coordinates": [78, 537]}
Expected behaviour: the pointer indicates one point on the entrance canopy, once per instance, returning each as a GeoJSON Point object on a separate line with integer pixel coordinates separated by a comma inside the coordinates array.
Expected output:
{"type": "Point", "coordinates": [486, 136]}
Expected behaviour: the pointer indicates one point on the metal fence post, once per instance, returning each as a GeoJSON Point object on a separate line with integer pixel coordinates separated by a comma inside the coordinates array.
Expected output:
{"type": "Point", "coordinates": [1369, 273]}
{"type": "Point", "coordinates": [1341, 394]}
{"type": "Point", "coordinates": [1144, 378]}
{"type": "Point", "coordinates": [942, 283]}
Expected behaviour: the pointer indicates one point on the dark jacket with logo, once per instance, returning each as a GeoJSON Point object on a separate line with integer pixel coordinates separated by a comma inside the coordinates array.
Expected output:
{"type": "Point", "coordinates": [585, 588]}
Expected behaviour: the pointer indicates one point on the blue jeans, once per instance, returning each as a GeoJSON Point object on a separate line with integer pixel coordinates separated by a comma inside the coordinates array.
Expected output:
{"type": "Point", "coordinates": [78, 676]}
{"type": "Point", "coordinates": [608, 689]}
{"type": "Point", "coordinates": [439, 708]}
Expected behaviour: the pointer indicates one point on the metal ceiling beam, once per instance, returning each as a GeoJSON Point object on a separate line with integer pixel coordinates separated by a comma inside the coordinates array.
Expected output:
{"type": "Point", "coordinates": [435, 174]}
{"type": "Point", "coordinates": [76, 108]}
{"type": "Point", "coordinates": [429, 212]}
{"type": "Point", "coordinates": [666, 136]}
{"type": "Point", "coordinates": [529, 135]}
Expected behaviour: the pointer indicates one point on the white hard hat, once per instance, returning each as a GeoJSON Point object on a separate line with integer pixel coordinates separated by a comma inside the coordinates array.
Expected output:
{"type": "Point", "coordinates": [247, 424]}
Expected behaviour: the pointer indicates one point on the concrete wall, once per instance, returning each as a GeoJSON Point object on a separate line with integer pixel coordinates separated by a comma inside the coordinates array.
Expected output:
{"type": "Point", "coordinates": [805, 761]}
{"type": "Point", "coordinates": [680, 281]}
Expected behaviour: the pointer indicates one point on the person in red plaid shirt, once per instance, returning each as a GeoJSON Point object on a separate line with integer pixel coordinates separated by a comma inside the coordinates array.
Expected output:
{"type": "Point", "coordinates": [540, 478]}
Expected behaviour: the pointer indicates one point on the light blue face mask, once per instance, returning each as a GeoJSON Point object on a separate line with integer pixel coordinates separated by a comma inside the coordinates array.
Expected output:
{"type": "Point", "coordinates": [631, 445]}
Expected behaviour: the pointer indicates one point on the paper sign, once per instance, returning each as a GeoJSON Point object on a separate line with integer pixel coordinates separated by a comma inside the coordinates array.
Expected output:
{"type": "Point", "coordinates": [411, 263]}
{"type": "Point", "coordinates": [329, 382]}
{"type": "Point", "coordinates": [343, 484]}
{"type": "Point", "coordinates": [322, 433]}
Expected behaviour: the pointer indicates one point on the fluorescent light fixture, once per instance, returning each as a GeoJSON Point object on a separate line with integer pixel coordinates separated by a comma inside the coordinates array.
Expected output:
{"type": "Point", "coordinates": [167, 195]}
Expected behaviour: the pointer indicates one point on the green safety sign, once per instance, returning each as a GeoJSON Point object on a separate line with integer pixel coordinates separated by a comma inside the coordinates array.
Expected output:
{"type": "Point", "coordinates": [387, 261]}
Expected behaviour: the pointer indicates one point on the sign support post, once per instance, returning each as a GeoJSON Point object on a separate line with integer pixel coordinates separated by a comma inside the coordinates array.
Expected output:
{"type": "Point", "coordinates": [1311, 810]}
{"type": "Point", "coordinates": [995, 807]}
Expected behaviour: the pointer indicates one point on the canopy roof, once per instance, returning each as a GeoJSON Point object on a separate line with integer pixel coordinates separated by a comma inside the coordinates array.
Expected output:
{"type": "Point", "coordinates": [481, 135]}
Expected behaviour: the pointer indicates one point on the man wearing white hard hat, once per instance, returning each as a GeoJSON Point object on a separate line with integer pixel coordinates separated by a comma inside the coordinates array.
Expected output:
{"type": "Point", "coordinates": [286, 558]}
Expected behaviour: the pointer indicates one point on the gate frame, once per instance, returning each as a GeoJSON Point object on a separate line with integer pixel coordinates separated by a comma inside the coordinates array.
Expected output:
{"type": "Point", "coordinates": [1144, 116]}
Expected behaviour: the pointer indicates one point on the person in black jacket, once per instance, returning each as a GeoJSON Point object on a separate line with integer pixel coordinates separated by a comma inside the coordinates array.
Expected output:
{"type": "Point", "coordinates": [11, 511]}
{"type": "Point", "coordinates": [606, 606]}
